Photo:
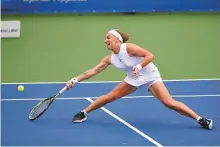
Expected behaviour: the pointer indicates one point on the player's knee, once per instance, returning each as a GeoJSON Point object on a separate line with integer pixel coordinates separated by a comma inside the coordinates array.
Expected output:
{"type": "Point", "coordinates": [170, 103]}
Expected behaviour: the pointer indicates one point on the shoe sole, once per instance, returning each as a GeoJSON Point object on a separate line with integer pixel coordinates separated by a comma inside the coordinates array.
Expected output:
{"type": "Point", "coordinates": [79, 121]}
{"type": "Point", "coordinates": [210, 125]}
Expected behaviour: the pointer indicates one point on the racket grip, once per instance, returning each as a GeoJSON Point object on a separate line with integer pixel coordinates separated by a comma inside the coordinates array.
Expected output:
{"type": "Point", "coordinates": [62, 90]}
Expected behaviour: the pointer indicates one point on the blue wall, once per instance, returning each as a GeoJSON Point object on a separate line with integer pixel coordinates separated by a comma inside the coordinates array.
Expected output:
{"type": "Point", "coordinates": [72, 6]}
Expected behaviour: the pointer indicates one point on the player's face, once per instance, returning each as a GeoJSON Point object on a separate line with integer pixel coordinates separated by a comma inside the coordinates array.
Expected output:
{"type": "Point", "coordinates": [110, 41]}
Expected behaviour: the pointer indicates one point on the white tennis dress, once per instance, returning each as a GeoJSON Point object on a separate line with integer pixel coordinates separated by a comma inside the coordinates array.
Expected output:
{"type": "Point", "coordinates": [148, 74]}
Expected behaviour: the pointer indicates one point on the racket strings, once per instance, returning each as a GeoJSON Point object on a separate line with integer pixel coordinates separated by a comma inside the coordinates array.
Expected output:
{"type": "Point", "coordinates": [40, 108]}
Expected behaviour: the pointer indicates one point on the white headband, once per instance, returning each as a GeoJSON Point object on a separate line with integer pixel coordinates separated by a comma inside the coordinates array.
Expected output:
{"type": "Point", "coordinates": [116, 34]}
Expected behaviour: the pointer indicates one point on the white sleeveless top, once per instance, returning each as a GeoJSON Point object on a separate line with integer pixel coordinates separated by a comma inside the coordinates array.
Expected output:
{"type": "Point", "coordinates": [125, 62]}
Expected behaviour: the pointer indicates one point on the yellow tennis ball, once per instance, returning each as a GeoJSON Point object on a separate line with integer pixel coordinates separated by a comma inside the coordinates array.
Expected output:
{"type": "Point", "coordinates": [20, 88]}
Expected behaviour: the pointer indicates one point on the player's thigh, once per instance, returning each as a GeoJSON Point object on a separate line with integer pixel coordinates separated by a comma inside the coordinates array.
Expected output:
{"type": "Point", "coordinates": [160, 91]}
{"type": "Point", "coordinates": [122, 89]}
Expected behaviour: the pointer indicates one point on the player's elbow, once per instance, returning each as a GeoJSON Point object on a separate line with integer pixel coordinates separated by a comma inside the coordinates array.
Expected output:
{"type": "Point", "coordinates": [151, 57]}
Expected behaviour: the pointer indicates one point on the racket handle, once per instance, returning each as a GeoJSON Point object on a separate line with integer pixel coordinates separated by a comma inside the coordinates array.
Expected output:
{"type": "Point", "coordinates": [62, 90]}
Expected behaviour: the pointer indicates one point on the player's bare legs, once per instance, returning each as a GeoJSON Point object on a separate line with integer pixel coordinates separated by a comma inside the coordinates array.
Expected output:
{"type": "Point", "coordinates": [119, 91]}
{"type": "Point", "coordinates": [160, 91]}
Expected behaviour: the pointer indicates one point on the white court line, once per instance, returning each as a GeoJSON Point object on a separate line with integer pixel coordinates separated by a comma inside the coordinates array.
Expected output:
{"type": "Point", "coordinates": [129, 125]}
{"type": "Point", "coordinates": [126, 97]}
{"type": "Point", "coordinates": [92, 82]}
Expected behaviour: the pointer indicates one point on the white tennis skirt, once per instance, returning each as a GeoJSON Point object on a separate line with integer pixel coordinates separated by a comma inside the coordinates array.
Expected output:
{"type": "Point", "coordinates": [144, 78]}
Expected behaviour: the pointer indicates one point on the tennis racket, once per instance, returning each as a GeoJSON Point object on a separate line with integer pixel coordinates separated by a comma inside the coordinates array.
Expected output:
{"type": "Point", "coordinates": [43, 105]}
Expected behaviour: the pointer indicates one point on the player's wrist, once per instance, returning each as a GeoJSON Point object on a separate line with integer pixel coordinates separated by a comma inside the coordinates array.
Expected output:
{"type": "Point", "coordinates": [139, 67]}
{"type": "Point", "coordinates": [74, 80]}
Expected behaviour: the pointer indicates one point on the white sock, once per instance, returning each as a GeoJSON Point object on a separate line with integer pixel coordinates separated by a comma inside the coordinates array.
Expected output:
{"type": "Point", "coordinates": [84, 112]}
{"type": "Point", "coordinates": [199, 118]}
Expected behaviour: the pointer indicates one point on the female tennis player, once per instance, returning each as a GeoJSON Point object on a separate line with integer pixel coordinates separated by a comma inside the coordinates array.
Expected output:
{"type": "Point", "coordinates": [137, 63]}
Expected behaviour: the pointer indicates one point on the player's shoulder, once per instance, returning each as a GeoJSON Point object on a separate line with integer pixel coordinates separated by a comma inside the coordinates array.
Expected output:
{"type": "Point", "coordinates": [131, 47]}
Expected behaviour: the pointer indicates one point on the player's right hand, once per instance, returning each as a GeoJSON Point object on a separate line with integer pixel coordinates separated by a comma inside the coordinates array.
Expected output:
{"type": "Point", "coordinates": [69, 84]}
{"type": "Point", "coordinates": [135, 72]}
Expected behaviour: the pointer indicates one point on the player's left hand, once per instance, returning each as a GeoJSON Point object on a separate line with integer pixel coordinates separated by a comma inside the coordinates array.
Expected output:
{"type": "Point", "coordinates": [135, 72]}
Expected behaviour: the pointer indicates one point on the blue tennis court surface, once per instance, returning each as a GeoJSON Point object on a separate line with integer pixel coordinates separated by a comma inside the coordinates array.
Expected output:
{"type": "Point", "coordinates": [135, 120]}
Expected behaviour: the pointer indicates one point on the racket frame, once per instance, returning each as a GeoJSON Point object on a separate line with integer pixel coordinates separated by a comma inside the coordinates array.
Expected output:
{"type": "Point", "coordinates": [39, 103]}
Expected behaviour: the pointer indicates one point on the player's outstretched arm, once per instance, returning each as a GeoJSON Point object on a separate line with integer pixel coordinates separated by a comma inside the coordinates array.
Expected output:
{"type": "Point", "coordinates": [91, 72]}
{"type": "Point", "coordinates": [95, 70]}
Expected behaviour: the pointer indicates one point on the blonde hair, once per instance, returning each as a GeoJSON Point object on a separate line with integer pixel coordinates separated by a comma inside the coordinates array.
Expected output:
{"type": "Point", "coordinates": [124, 36]}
